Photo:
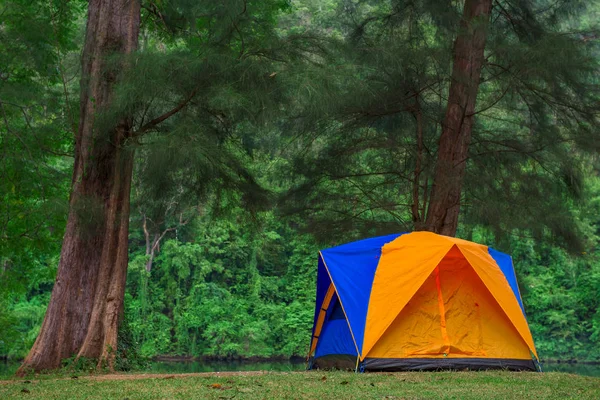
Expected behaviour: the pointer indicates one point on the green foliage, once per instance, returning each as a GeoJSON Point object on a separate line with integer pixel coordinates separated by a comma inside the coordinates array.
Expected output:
{"type": "Point", "coordinates": [8, 323]}
{"type": "Point", "coordinates": [561, 298]}
{"type": "Point", "coordinates": [81, 364]}
{"type": "Point", "coordinates": [320, 97]}
{"type": "Point", "coordinates": [128, 355]}
{"type": "Point", "coordinates": [225, 294]}
{"type": "Point", "coordinates": [20, 322]}
{"type": "Point", "coordinates": [30, 315]}
{"type": "Point", "coordinates": [36, 40]}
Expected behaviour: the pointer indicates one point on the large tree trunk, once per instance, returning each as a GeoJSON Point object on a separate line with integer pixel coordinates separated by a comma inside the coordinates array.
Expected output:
{"type": "Point", "coordinates": [83, 314]}
{"type": "Point", "coordinates": [444, 206]}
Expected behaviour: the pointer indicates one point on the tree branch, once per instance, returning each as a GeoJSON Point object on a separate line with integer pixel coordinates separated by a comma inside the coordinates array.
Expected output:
{"type": "Point", "coordinates": [156, 121]}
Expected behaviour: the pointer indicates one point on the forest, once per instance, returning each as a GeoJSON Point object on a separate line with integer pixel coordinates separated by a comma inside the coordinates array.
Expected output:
{"type": "Point", "coordinates": [170, 169]}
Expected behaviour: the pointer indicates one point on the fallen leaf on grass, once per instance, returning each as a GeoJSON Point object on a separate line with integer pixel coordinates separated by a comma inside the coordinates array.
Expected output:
{"type": "Point", "coordinates": [219, 386]}
{"type": "Point", "coordinates": [343, 382]}
{"type": "Point", "coordinates": [324, 378]}
{"type": "Point", "coordinates": [25, 390]}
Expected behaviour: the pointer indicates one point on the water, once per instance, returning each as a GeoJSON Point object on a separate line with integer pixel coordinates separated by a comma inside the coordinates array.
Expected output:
{"type": "Point", "coordinates": [579, 369]}
{"type": "Point", "coordinates": [175, 367]}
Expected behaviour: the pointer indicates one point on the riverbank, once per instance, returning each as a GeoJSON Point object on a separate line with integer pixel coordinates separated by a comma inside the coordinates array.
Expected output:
{"type": "Point", "coordinates": [254, 359]}
{"type": "Point", "coordinates": [292, 359]}
{"type": "Point", "coordinates": [570, 362]}
{"type": "Point", "coordinates": [298, 359]}
{"type": "Point", "coordinates": [309, 385]}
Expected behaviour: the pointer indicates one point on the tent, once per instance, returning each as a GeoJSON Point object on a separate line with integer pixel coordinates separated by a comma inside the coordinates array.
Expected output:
{"type": "Point", "coordinates": [419, 301]}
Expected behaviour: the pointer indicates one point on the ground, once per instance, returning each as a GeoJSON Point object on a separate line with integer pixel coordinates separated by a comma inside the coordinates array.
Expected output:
{"type": "Point", "coordinates": [307, 385]}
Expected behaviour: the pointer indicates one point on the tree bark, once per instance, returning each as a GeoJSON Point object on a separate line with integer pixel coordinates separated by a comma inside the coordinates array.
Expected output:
{"type": "Point", "coordinates": [83, 315]}
{"type": "Point", "coordinates": [469, 46]}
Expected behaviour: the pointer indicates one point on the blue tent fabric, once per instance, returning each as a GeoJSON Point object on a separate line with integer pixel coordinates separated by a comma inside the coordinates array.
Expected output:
{"type": "Point", "coordinates": [505, 263]}
{"type": "Point", "coordinates": [335, 339]}
{"type": "Point", "coordinates": [352, 267]}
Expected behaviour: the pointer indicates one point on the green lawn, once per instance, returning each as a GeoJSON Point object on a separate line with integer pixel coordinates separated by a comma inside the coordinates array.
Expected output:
{"type": "Point", "coordinates": [309, 385]}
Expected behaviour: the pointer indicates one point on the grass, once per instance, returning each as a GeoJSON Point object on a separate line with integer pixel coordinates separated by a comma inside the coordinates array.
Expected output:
{"type": "Point", "coordinates": [308, 385]}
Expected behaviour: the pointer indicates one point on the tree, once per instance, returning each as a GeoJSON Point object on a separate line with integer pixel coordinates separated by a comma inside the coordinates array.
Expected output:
{"type": "Point", "coordinates": [452, 154]}
{"type": "Point", "coordinates": [221, 60]}
{"type": "Point", "coordinates": [82, 317]}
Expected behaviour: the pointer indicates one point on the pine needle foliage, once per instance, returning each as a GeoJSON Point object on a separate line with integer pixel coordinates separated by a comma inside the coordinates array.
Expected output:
{"type": "Point", "coordinates": [37, 42]}
{"type": "Point", "coordinates": [202, 89]}
{"type": "Point", "coordinates": [537, 120]}
{"type": "Point", "coordinates": [36, 121]}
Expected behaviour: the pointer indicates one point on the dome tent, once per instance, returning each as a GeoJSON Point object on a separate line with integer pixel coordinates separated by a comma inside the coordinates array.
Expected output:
{"type": "Point", "coordinates": [418, 301]}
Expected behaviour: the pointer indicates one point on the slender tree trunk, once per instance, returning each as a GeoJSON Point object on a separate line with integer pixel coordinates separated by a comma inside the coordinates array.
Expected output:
{"type": "Point", "coordinates": [150, 254]}
{"type": "Point", "coordinates": [86, 302]}
{"type": "Point", "coordinates": [444, 205]}
{"type": "Point", "coordinates": [152, 244]}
